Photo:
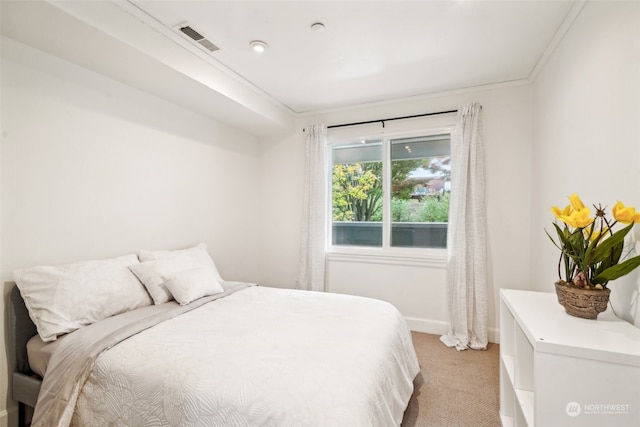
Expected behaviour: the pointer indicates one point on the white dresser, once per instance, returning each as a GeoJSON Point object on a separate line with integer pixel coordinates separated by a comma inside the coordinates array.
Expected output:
{"type": "Point", "coordinates": [560, 370]}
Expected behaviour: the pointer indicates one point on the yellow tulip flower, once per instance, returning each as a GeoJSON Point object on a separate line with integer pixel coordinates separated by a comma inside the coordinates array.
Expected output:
{"type": "Point", "coordinates": [561, 212]}
{"type": "Point", "coordinates": [582, 217]}
{"type": "Point", "coordinates": [625, 214]}
{"type": "Point", "coordinates": [578, 218]}
{"type": "Point", "coordinates": [576, 202]}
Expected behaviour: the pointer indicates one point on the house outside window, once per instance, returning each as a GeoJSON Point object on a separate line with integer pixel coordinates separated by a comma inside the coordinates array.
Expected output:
{"type": "Point", "coordinates": [390, 191]}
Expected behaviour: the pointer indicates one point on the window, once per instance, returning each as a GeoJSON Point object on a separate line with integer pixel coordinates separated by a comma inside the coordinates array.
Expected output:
{"type": "Point", "coordinates": [391, 191]}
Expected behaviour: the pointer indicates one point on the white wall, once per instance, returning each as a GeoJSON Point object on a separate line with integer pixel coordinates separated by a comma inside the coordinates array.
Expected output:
{"type": "Point", "coordinates": [587, 132]}
{"type": "Point", "coordinates": [419, 292]}
{"type": "Point", "coordinates": [92, 168]}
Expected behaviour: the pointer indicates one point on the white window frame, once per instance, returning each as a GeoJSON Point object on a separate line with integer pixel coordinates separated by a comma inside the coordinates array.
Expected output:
{"type": "Point", "coordinates": [386, 254]}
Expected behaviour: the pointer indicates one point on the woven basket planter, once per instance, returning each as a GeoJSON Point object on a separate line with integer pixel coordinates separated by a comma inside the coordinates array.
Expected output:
{"type": "Point", "coordinates": [585, 303]}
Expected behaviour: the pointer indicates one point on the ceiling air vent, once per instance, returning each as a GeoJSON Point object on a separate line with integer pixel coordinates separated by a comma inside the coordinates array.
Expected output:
{"type": "Point", "coordinates": [197, 37]}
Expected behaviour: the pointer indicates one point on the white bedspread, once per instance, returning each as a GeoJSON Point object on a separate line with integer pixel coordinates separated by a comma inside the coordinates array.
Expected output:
{"type": "Point", "coordinates": [259, 357]}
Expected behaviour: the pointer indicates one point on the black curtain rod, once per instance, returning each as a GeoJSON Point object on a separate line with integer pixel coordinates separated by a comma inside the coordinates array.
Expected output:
{"type": "Point", "coordinates": [391, 119]}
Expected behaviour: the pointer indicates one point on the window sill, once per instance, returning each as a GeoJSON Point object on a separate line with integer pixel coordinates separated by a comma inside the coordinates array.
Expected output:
{"type": "Point", "coordinates": [429, 258]}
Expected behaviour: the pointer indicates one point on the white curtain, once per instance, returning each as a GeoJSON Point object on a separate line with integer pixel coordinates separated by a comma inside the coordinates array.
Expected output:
{"type": "Point", "coordinates": [466, 240]}
{"type": "Point", "coordinates": [312, 248]}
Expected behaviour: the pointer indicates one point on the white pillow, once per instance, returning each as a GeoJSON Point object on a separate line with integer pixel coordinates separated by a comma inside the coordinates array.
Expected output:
{"type": "Point", "coordinates": [151, 274]}
{"type": "Point", "coordinates": [61, 299]}
{"type": "Point", "coordinates": [189, 285]}
{"type": "Point", "coordinates": [196, 254]}
{"type": "Point", "coordinates": [157, 266]}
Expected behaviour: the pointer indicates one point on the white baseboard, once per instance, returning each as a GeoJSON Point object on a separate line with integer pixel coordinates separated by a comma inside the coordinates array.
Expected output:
{"type": "Point", "coordinates": [4, 418]}
{"type": "Point", "coordinates": [9, 416]}
{"type": "Point", "coordinates": [427, 326]}
{"type": "Point", "coordinates": [494, 335]}
{"type": "Point", "coordinates": [438, 327]}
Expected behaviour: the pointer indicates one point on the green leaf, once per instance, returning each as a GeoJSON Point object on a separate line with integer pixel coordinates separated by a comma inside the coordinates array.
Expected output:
{"type": "Point", "coordinates": [613, 259]}
{"type": "Point", "coordinates": [618, 270]}
{"type": "Point", "coordinates": [604, 247]}
{"type": "Point", "coordinates": [591, 246]}
{"type": "Point", "coordinates": [553, 241]}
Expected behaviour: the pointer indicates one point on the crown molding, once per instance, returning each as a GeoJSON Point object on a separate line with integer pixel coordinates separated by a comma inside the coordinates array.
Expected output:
{"type": "Point", "coordinates": [418, 98]}
{"type": "Point", "coordinates": [575, 10]}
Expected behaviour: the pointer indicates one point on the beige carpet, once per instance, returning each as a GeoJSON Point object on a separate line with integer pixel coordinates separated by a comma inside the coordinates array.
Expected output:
{"type": "Point", "coordinates": [454, 388]}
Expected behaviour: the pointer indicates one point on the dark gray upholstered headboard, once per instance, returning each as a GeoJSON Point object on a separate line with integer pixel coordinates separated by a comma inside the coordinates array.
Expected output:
{"type": "Point", "coordinates": [26, 385]}
{"type": "Point", "coordinates": [21, 329]}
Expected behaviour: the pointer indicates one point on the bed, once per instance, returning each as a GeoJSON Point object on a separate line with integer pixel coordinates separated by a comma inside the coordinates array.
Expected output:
{"type": "Point", "coordinates": [245, 355]}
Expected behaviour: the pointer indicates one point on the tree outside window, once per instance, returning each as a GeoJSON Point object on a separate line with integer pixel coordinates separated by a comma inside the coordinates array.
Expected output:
{"type": "Point", "coordinates": [419, 176]}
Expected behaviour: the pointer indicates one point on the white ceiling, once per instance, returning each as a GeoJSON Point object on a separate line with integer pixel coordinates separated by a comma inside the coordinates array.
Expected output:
{"type": "Point", "coordinates": [370, 51]}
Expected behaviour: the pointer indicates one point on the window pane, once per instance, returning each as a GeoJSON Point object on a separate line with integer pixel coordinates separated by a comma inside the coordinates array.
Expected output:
{"type": "Point", "coordinates": [357, 194]}
{"type": "Point", "coordinates": [420, 188]}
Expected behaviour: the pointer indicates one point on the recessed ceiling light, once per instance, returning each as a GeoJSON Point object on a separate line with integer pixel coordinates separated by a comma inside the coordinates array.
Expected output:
{"type": "Point", "coordinates": [317, 26]}
{"type": "Point", "coordinates": [258, 46]}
